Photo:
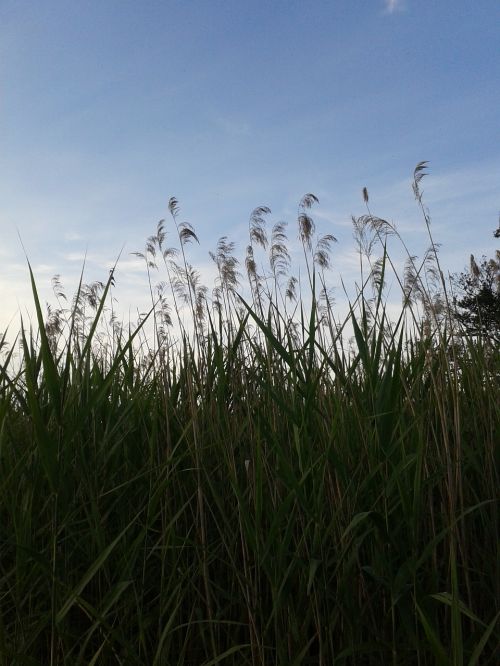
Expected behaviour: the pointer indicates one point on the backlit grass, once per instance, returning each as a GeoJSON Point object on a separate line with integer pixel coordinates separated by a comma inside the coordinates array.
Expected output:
{"type": "Point", "coordinates": [261, 492]}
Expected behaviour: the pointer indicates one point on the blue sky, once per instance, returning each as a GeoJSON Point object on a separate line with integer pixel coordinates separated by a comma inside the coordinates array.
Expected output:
{"type": "Point", "coordinates": [109, 108]}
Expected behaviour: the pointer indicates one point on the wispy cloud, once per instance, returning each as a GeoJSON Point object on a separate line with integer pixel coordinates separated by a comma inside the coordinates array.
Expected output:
{"type": "Point", "coordinates": [72, 236]}
{"type": "Point", "coordinates": [231, 125]}
{"type": "Point", "coordinates": [392, 6]}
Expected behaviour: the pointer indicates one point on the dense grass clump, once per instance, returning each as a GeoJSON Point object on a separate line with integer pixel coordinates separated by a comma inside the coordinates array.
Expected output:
{"type": "Point", "coordinates": [260, 492]}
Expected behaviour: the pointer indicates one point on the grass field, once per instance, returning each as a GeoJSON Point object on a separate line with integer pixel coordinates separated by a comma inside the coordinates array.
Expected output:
{"type": "Point", "coordinates": [261, 491]}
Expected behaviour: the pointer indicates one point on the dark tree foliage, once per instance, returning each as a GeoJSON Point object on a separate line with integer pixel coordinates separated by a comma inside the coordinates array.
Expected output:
{"type": "Point", "coordinates": [477, 303]}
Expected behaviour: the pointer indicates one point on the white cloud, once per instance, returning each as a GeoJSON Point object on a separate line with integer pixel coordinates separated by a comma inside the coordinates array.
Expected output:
{"type": "Point", "coordinates": [392, 6]}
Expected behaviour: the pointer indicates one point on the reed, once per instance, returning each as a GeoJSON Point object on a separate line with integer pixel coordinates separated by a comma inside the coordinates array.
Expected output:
{"type": "Point", "coordinates": [261, 491]}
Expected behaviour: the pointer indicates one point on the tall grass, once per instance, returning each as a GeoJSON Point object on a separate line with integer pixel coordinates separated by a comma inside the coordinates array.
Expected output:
{"type": "Point", "coordinates": [261, 492]}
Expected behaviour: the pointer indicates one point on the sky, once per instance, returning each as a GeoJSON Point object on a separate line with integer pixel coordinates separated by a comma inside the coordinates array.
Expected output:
{"type": "Point", "coordinates": [108, 108]}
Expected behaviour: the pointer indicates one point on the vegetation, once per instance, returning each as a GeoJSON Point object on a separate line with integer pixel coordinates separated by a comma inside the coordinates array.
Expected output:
{"type": "Point", "coordinates": [478, 303]}
{"type": "Point", "coordinates": [279, 487]}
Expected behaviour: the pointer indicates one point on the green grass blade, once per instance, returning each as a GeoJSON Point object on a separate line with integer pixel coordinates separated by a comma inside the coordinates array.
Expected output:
{"type": "Point", "coordinates": [91, 572]}
{"type": "Point", "coordinates": [478, 650]}
{"type": "Point", "coordinates": [50, 371]}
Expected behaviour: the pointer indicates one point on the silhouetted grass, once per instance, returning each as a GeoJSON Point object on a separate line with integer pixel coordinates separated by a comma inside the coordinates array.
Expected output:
{"type": "Point", "coordinates": [261, 492]}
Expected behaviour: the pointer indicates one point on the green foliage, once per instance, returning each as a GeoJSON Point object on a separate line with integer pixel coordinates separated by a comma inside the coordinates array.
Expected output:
{"type": "Point", "coordinates": [261, 493]}
{"type": "Point", "coordinates": [478, 303]}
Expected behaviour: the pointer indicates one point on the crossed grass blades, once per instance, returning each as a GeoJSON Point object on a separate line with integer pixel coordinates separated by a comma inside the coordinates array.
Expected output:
{"type": "Point", "coordinates": [259, 483]}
